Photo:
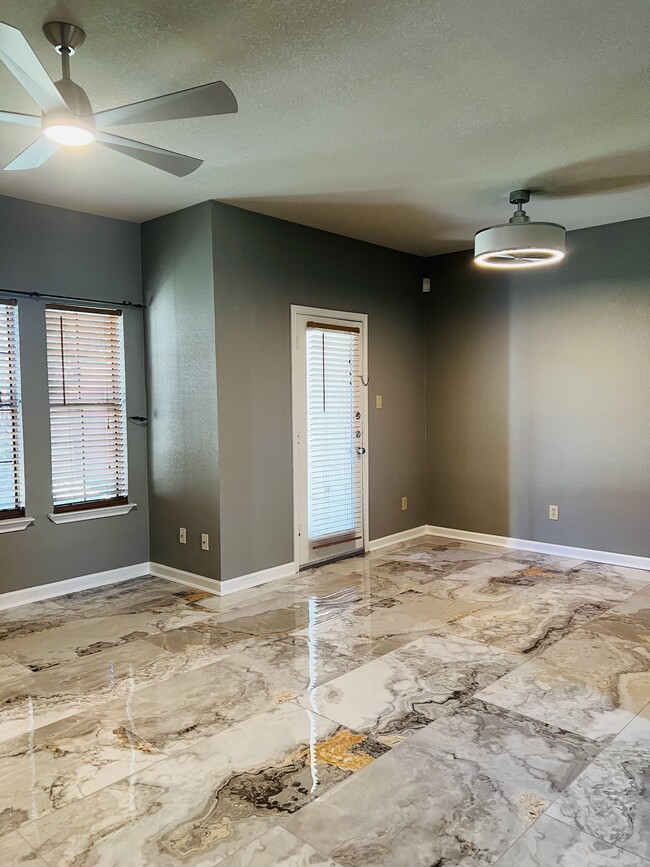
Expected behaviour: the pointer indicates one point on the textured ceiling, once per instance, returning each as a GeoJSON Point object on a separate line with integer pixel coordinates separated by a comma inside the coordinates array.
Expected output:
{"type": "Point", "coordinates": [403, 123]}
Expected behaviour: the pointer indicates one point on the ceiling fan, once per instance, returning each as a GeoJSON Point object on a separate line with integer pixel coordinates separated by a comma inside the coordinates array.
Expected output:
{"type": "Point", "coordinates": [68, 119]}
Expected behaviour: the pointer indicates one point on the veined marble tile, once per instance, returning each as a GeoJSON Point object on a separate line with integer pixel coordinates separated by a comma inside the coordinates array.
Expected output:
{"type": "Point", "coordinates": [531, 619]}
{"type": "Point", "coordinates": [629, 620]}
{"type": "Point", "coordinates": [549, 843]}
{"type": "Point", "coordinates": [371, 630]}
{"type": "Point", "coordinates": [425, 563]}
{"type": "Point", "coordinates": [201, 643]}
{"type": "Point", "coordinates": [83, 636]}
{"type": "Point", "coordinates": [119, 595]}
{"type": "Point", "coordinates": [277, 848]}
{"type": "Point", "coordinates": [588, 570]}
{"type": "Point", "coordinates": [29, 619]}
{"type": "Point", "coordinates": [10, 670]}
{"type": "Point", "coordinates": [589, 682]}
{"type": "Point", "coordinates": [634, 579]}
{"type": "Point", "coordinates": [36, 700]}
{"type": "Point", "coordinates": [278, 614]}
{"type": "Point", "coordinates": [205, 804]}
{"type": "Point", "coordinates": [548, 561]}
{"type": "Point", "coordinates": [459, 791]}
{"type": "Point", "coordinates": [14, 851]}
{"type": "Point", "coordinates": [637, 605]}
{"type": "Point", "coordinates": [610, 799]}
{"type": "Point", "coordinates": [406, 689]}
{"type": "Point", "coordinates": [213, 698]}
{"type": "Point", "coordinates": [367, 581]}
{"type": "Point", "coordinates": [64, 762]}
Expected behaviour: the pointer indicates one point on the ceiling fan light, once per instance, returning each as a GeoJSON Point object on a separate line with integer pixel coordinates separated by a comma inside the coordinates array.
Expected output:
{"type": "Point", "coordinates": [519, 245]}
{"type": "Point", "coordinates": [72, 133]}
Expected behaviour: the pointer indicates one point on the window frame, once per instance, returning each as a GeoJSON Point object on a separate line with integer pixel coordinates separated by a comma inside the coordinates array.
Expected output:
{"type": "Point", "coordinates": [16, 409]}
{"type": "Point", "coordinates": [121, 500]}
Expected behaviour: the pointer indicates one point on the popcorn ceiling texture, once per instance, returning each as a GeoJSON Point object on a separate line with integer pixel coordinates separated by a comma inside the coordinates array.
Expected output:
{"type": "Point", "coordinates": [405, 124]}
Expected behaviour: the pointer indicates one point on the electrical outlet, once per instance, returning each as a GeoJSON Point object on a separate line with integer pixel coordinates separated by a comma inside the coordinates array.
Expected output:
{"type": "Point", "coordinates": [554, 513]}
{"type": "Point", "coordinates": [182, 535]}
{"type": "Point", "coordinates": [205, 542]}
{"type": "Point", "coordinates": [405, 503]}
{"type": "Point", "coordinates": [379, 401]}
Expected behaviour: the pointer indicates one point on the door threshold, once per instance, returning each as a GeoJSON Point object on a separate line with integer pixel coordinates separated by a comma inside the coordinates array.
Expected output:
{"type": "Point", "coordinates": [347, 556]}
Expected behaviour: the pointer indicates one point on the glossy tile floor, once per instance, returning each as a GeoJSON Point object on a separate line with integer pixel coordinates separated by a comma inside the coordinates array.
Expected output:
{"type": "Point", "coordinates": [432, 704]}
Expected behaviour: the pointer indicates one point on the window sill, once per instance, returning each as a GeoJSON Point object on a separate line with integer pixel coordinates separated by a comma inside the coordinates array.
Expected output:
{"type": "Point", "coordinates": [90, 514]}
{"type": "Point", "coordinates": [14, 525]}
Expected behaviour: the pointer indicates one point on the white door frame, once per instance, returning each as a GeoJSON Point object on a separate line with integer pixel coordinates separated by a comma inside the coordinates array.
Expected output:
{"type": "Point", "coordinates": [360, 319]}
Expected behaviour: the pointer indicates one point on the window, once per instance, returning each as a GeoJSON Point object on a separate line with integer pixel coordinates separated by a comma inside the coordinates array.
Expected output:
{"type": "Point", "coordinates": [87, 407]}
{"type": "Point", "coordinates": [12, 503]}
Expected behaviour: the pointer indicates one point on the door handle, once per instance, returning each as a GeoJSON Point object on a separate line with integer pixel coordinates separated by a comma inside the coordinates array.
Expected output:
{"type": "Point", "coordinates": [361, 450]}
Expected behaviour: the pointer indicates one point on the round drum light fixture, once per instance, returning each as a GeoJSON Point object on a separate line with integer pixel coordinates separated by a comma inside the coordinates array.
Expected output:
{"type": "Point", "coordinates": [519, 243]}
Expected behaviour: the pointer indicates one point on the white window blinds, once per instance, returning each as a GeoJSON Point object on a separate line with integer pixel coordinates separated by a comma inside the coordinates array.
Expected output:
{"type": "Point", "coordinates": [87, 407]}
{"type": "Point", "coordinates": [334, 435]}
{"type": "Point", "coordinates": [12, 504]}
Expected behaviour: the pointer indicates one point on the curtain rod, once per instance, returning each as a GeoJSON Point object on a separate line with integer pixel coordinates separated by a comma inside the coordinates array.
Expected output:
{"type": "Point", "coordinates": [36, 296]}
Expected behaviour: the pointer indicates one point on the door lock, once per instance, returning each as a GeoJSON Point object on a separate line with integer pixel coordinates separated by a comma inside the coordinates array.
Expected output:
{"type": "Point", "coordinates": [361, 450]}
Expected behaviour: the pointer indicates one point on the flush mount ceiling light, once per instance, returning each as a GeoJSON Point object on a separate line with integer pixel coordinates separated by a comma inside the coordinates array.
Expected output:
{"type": "Point", "coordinates": [67, 118]}
{"type": "Point", "coordinates": [519, 243]}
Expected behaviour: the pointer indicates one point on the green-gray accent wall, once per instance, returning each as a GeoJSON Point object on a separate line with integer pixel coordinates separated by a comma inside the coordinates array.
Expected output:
{"type": "Point", "coordinates": [219, 284]}
{"type": "Point", "coordinates": [538, 393]}
{"type": "Point", "coordinates": [45, 249]}
{"type": "Point", "coordinates": [182, 389]}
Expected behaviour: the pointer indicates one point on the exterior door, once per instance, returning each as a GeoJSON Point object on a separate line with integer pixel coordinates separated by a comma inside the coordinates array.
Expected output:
{"type": "Point", "coordinates": [330, 444]}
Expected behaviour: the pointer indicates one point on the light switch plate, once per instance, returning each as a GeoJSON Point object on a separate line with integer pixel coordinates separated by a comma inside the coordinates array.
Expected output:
{"type": "Point", "coordinates": [379, 401]}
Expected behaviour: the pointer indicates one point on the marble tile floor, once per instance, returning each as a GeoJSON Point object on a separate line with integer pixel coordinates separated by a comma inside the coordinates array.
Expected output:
{"type": "Point", "coordinates": [437, 703]}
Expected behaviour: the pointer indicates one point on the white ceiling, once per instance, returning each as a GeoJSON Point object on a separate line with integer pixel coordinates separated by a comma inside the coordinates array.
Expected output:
{"type": "Point", "coordinates": [403, 123]}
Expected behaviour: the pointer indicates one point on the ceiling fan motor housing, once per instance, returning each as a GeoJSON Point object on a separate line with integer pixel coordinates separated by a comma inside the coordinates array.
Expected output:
{"type": "Point", "coordinates": [536, 243]}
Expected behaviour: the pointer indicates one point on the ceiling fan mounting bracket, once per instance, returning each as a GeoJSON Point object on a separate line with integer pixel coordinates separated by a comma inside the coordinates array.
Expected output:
{"type": "Point", "coordinates": [64, 37]}
{"type": "Point", "coordinates": [519, 197]}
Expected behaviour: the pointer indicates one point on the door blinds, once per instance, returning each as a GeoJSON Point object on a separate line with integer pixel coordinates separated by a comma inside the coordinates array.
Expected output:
{"type": "Point", "coordinates": [87, 407]}
{"type": "Point", "coordinates": [12, 504]}
{"type": "Point", "coordinates": [334, 466]}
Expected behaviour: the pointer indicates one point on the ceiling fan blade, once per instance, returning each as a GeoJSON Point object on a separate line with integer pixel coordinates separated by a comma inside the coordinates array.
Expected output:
{"type": "Point", "coordinates": [169, 161]}
{"type": "Point", "coordinates": [18, 57]}
{"type": "Point", "coordinates": [203, 101]}
{"type": "Point", "coordinates": [34, 155]}
{"type": "Point", "coordinates": [16, 117]}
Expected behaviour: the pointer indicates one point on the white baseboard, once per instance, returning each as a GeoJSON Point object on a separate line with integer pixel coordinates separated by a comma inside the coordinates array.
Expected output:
{"type": "Point", "coordinates": [222, 588]}
{"type": "Point", "coordinates": [397, 538]}
{"type": "Point", "coordinates": [255, 579]}
{"type": "Point", "coordinates": [189, 579]}
{"type": "Point", "coordinates": [113, 576]}
{"type": "Point", "coordinates": [631, 561]}
{"type": "Point", "coordinates": [286, 570]}
{"type": "Point", "coordinates": [71, 585]}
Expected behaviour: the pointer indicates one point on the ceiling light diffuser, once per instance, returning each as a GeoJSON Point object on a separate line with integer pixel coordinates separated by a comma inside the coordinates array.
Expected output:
{"type": "Point", "coordinates": [70, 134]}
{"type": "Point", "coordinates": [519, 243]}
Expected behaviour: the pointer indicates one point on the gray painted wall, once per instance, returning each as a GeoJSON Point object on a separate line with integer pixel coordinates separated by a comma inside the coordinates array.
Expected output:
{"type": "Point", "coordinates": [261, 266]}
{"type": "Point", "coordinates": [538, 393]}
{"type": "Point", "coordinates": [182, 389]}
{"type": "Point", "coordinates": [45, 249]}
